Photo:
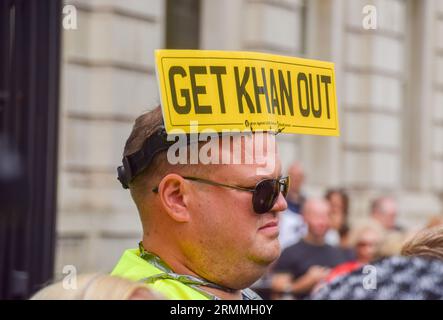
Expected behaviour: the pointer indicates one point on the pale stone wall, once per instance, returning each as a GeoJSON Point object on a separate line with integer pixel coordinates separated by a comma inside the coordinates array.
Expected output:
{"type": "Point", "coordinates": [437, 110]}
{"type": "Point", "coordinates": [108, 79]}
{"type": "Point", "coordinates": [390, 97]}
{"type": "Point", "coordinates": [372, 101]}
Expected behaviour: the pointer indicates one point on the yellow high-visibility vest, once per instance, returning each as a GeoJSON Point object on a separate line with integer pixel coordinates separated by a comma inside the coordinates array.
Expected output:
{"type": "Point", "coordinates": [131, 266]}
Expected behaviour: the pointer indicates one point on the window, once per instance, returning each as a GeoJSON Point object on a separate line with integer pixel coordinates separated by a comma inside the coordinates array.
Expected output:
{"type": "Point", "coordinates": [182, 24]}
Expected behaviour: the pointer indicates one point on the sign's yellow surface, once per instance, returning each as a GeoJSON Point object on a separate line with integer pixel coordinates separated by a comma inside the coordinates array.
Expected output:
{"type": "Point", "coordinates": [224, 90]}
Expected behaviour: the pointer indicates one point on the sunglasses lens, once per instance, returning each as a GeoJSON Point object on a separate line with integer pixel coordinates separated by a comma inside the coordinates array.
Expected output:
{"type": "Point", "coordinates": [265, 195]}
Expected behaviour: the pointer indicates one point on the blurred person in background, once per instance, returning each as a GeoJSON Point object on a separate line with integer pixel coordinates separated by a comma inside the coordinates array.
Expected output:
{"type": "Point", "coordinates": [339, 232]}
{"type": "Point", "coordinates": [392, 244]}
{"type": "Point", "coordinates": [426, 243]}
{"type": "Point", "coordinates": [392, 278]}
{"type": "Point", "coordinates": [305, 264]}
{"type": "Point", "coordinates": [96, 287]}
{"type": "Point", "coordinates": [365, 239]}
{"type": "Point", "coordinates": [434, 221]}
{"type": "Point", "coordinates": [292, 225]}
{"type": "Point", "coordinates": [295, 197]}
{"type": "Point", "coordinates": [384, 211]}
{"type": "Point", "coordinates": [416, 275]}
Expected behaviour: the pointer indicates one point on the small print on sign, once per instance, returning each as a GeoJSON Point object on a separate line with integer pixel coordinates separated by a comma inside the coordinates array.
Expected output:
{"type": "Point", "coordinates": [225, 90]}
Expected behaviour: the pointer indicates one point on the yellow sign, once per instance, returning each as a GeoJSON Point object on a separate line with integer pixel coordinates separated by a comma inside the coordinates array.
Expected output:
{"type": "Point", "coordinates": [224, 90]}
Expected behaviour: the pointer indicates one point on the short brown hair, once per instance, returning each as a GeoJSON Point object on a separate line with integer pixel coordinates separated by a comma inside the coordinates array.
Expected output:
{"type": "Point", "coordinates": [427, 243]}
{"type": "Point", "coordinates": [145, 125]}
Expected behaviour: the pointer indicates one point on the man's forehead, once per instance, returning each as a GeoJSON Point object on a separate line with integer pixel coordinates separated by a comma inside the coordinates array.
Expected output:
{"type": "Point", "coordinates": [251, 173]}
{"type": "Point", "coordinates": [249, 156]}
{"type": "Point", "coordinates": [255, 146]}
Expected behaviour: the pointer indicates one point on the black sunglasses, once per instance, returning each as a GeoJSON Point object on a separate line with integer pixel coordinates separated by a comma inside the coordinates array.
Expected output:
{"type": "Point", "coordinates": [264, 194]}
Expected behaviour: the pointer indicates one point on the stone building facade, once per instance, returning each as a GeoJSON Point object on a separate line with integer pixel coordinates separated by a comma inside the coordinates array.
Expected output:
{"type": "Point", "coordinates": [389, 87]}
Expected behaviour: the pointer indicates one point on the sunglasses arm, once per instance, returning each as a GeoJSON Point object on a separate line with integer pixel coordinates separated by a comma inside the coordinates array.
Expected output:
{"type": "Point", "coordinates": [213, 183]}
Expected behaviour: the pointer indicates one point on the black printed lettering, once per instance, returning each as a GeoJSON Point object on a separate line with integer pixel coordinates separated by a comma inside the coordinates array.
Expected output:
{"type": "Point", "coordinates": [196, 90]}
{"type": "Point", "coordinates": [302, 78]}
{"type": "Point", "coordinates": [274, 97]}
{"type": "Point", "coordinates": [326, 80]}
{"type": "Point", "coordinates": [285, 93]}
{"type": "Point", "coordinates": [180, 109]}
{"type": "Point", "coordinates": [218, 71]}
{"type": "Point", "coordinates": [317, 112]}
{"type": "Point", "coordinates": [258, 90]}
{"type": "Point", "coordinates": [241, 90]}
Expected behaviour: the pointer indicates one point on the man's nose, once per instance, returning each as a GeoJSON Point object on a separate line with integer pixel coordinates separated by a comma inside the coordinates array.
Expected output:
{"type": "Point", "coordinates": [280, 204]}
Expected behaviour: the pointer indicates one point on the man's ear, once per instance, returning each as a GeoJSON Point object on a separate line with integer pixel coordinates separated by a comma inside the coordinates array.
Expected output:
{"type": "Point", "coordinates": [173, 195]}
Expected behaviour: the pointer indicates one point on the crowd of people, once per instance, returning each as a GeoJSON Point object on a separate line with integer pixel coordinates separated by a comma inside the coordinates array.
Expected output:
{"type": "Point", "coordinates": [319, 244]}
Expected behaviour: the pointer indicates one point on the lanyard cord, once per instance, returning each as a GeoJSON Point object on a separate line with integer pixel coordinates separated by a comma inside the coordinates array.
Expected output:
{"type": "Point", "coordinates": [191, 281]}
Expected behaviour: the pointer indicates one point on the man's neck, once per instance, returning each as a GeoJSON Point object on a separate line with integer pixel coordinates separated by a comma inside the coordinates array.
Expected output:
{"type": "Point", "coordinates": [316, 241]}
{"type": "Point", "coordinates": [174, 261]}
{"type": "Point", "coordinates": [179, 267]}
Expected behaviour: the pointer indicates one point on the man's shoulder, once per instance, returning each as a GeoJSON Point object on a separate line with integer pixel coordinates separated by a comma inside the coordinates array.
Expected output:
{"type": "Point", "coordinates": [131, 266]}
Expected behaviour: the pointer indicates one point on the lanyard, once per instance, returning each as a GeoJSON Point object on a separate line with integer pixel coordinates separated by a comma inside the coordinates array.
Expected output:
{"type": "Point", "coordinates": [191, 281]}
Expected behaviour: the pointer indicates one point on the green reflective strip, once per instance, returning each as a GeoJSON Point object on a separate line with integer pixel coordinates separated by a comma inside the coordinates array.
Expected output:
{"type": "Point", "coordinates": [153, 259]}
{"type": "Point", "coordinates": [181, 279]}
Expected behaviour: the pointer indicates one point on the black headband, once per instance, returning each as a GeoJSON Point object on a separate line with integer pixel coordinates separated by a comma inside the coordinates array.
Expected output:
{"type": "Point", "coordinates": [138, 161]}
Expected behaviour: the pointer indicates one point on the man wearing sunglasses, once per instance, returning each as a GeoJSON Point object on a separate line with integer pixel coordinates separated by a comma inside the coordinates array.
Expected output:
{"type": "Point", "coordinates": [209, 231]}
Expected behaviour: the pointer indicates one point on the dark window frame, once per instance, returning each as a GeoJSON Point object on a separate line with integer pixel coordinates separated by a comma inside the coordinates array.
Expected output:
{"type": "Point", "coordinates": [29, 98]}
{"type": "Point", "coordinates": [183, 24]}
